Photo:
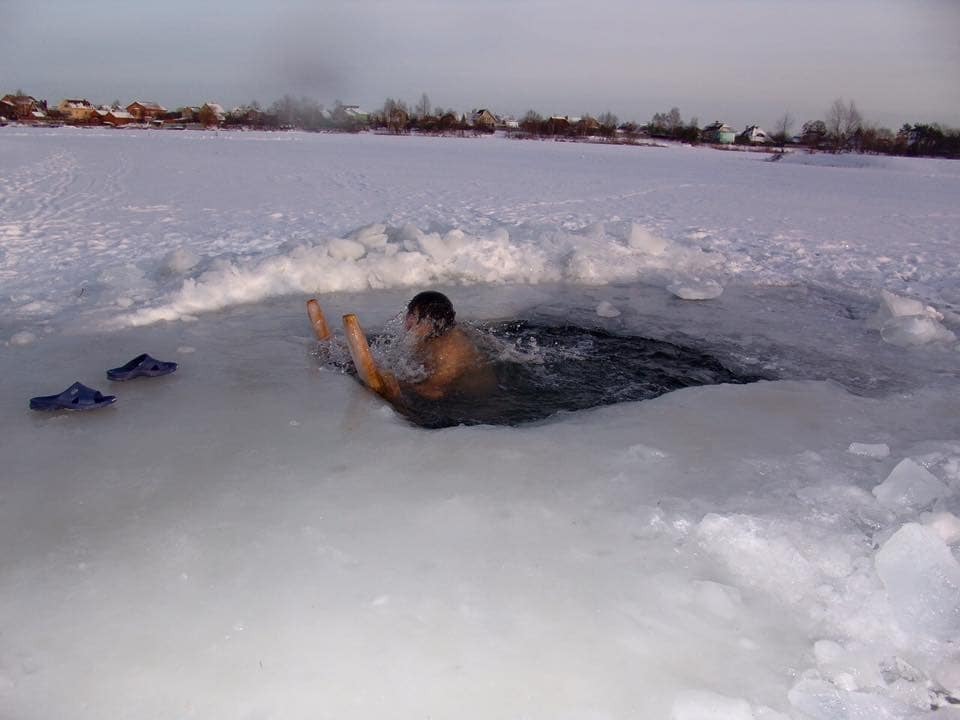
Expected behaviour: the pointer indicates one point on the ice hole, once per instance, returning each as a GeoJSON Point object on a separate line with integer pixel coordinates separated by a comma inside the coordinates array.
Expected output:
{"type": "Point", "coordinates": [543, 370]}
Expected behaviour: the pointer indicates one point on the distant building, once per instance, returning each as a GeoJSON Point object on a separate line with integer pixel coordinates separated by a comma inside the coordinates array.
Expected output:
{"type": "Point", "coordinates": [754, 135]}
{"type": "Point", "coordinates": [484, 119]}
{"type": "Point", "coordinates": [77, 111]}
{"type": "Point", "coordinates": [718, 133]}
{"type": "Point", "coordinates": [559, 124]}
{"type": "Point", "coordinates": [189, 114]}
{"type": "Point", "coordinates": [211, 115]}
{"type": "Point", "coordinates": [355, 113]}
{"type": "Point", "coordinates": [588, 125]}
{"type": "Point", "coordinates": [23, 108]}
{"type": "Point", "coordinates": [116, 118]}
{"type": "Point", "coordinates": [145, 111]}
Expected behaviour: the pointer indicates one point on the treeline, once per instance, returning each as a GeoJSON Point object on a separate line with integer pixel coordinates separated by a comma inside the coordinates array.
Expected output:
{"type": "Point", "coordinates": [842, 128]}
{"type": "Point", "coordinates": [307, 114]}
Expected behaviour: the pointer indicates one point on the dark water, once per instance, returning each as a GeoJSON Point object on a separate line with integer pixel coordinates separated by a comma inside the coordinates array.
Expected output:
{"type": "Point", "coordinates": [543, 370]}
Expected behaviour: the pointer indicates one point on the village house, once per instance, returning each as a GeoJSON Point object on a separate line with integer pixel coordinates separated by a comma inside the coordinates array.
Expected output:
{"type": "Point", "coordinates": [188, 114]}
{"type": "Point", "coordinates": [246, 116]}
{"type": "Point", "coordinates": [754, 135]}
{"type": "Point", "coordinates": [588, 125]}
{"type": "Point", "coordinates": [22, 108]}
{"type": "Point", "coordinates": [115, 118]}
{"type": "Point", "coordinates": [211, 115]}
{"type": "Point", "coordinates": [483, 119]}
{"type": "Point", "coordinates": [718, 133]}
{"type": "Point", "coordinates": [448, 121]}
{"type": "Point", "coordinates": [145, 112]}
{"type": "Point", "coordinates": [354, 113]}
{"type": "Point", "coordinates": [559, 124]}
{"type": "Point", "coordinates": [77, 111]}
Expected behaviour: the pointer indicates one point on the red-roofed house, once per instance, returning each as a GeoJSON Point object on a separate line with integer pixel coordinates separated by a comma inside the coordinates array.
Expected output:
{"type": "Point", "coordinates": [145, 111]}
{"type": "Point", "coordinates": [22, 107]}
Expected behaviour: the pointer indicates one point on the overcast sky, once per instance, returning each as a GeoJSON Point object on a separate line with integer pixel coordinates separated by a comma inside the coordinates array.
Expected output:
{"type": "Point", "coordinates": [740, 61]}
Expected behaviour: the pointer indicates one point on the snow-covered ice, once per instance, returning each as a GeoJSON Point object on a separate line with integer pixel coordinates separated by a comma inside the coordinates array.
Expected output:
{"type": "Point", "coordinates": [255, 536]}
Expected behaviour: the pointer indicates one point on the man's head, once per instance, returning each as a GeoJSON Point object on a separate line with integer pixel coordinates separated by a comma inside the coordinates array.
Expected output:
{"type": "Point", "coordinates": [432, 311]}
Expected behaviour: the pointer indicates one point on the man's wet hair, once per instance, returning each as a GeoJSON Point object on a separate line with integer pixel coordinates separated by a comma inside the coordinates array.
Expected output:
{"type": "Point", "coordinates": [434, 307]}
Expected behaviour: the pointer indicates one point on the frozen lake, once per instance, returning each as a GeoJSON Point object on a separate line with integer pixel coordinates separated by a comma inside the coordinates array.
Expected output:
{"type": "Point", "coordinates": [255, 536]}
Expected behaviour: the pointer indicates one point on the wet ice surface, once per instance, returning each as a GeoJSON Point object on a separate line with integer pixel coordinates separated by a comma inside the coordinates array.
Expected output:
{"type": "Point", "coordinates": [257, 536]}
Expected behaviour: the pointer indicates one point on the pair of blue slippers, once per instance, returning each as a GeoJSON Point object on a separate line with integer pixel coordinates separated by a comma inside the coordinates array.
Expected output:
{"type": "Point", "coordinates": [80, 397]}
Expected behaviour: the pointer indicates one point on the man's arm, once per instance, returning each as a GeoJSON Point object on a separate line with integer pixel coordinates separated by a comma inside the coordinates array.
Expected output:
{"type": "Point", "coordinates": [381, 382]}
{"type": "Point", "coordinates": [318, 320]}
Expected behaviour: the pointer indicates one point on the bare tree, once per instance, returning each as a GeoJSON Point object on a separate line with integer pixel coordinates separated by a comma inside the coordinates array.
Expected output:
{"type": "Point", "coordinates": [782, 128]}
{"type": "Point", "coordinates": [608, 124]}
{"type": "Point", "coordinates": [666, 124]}
{"type": "Point", "coordinates": [674, 121]}
{"type": "Point", "coordinates": [532, 122]}
{"type": "Point", "coordinates": [842, 122]}
{"type": "Point", "coordinates": [422, 109]}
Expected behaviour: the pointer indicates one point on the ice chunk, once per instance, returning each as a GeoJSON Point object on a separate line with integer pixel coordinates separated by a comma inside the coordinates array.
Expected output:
{"type": "Point", "coordinates": [371, 236]}
{"type": "Point", "coordinates": [946, 525]}
{"type": "Point", "coordinates": [642, 239]}
{"type": "Point", "coordinates": [408, 235]}
{"type": "Point", "coordinates": [606, 310]}
{"type": "Point", "coordinates": [877, 450]}
{"type": "Point", "coordinates": [906, 321]}
{"type": "Point", "coordinates": [706, 705]}
{"type": "Point", "coordinates": [896, 306]}
{"type": "Point", "coordinates": [696, 289]}
{"type": "Point", "coordinates": [914, 330]}
{"type": "Point", "coordinates": [909, 487]}
{"type": "Point", "coordinates": [344, 249]}
{"type": "Point", "coordinates": [442, 249]}
{"type": "Point", "coordinates": [922, 579]}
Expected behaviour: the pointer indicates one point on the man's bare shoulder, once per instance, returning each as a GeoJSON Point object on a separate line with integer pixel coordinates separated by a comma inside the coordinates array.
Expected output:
{"type": "Point", "coordinates": [459, 345]}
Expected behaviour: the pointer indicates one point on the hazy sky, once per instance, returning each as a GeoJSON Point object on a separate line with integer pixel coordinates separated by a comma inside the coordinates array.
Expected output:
{"type": "Point", "coordinates": [741, 61]}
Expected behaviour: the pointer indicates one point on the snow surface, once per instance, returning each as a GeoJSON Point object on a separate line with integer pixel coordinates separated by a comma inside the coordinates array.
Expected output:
{"type": "Point", "coordinates": [255, 536]}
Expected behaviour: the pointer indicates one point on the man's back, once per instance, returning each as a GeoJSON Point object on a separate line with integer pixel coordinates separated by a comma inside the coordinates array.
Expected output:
{"type": "Point", "coordinates": [454, 365]}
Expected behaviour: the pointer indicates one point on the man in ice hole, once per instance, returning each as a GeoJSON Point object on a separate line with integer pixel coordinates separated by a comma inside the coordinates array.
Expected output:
{"type": "Point", "coordinates": [453, 364]}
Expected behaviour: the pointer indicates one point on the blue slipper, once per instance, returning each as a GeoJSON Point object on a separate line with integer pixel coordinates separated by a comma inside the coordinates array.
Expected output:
{"type": "Point", "coordinates": [141, 366]}
{"type": "Point", "coordinates": [76, 397]}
